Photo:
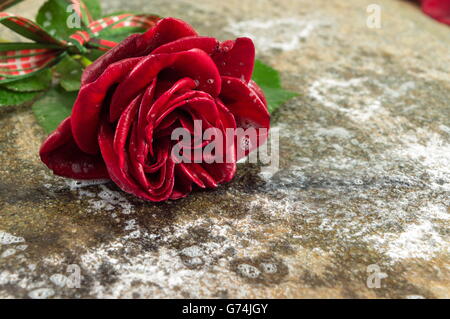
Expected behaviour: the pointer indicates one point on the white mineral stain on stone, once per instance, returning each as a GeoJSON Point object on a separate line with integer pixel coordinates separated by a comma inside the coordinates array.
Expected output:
{"type": "Point", "coordinates": [105, 200]}
{"type": "Point", "coordinates": [53, 260]}
{"type": "Point", "coordinates": [147, 272]}
{"type": "Point", "coordinates": [339, 132]}
{"type": "Point", "coordinates": [7, 277]}
{"type": "Point", "coordinates": [77, 184]}
{"type": "Point", "coordinates": [354, 97]}
{"type": "Point", "coordinates": [418, 240]}
{"type": "Point", "coordinates": [41, 293]}
{"type": "Point", "coordinates": [415, 297]}
{"type": "Point", "coordinates": [58, 279]}
{"type": "Point", "coordinates": [192, 251]}
{"type": "Point", "coordinates": [7, 239]}
{"type": "Point", "coordinates": [8, 252]}
{"type": "Point", "coordinates": [350, 179]}
{"type": "Point", "coordinates": [130, 224]}
{"type": "Point", "coordinates": [284, 34]}
{"type": "Point", "coordinates": [433, 154]}
{"type": "Point", "coordinates": [360, 102]}
{"type": "Point", "coordinates": [269, 268]}
{"type": "Point", "coordinates": [249, 271]}
{"type": "Point", "coordinates": [445, 128]}
{"type": "Point", "coordinates": [113, 199]}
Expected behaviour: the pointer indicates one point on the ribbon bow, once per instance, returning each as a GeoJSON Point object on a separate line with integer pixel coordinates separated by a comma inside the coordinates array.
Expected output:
{"type": "Point", "coordinates": [21, 60]}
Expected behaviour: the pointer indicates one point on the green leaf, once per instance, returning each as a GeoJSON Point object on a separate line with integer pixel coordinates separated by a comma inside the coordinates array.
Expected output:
{"type": "Point", "coordinates": [276, 97]}
{"type": "Point", "coordinates": [269, 80]}
{"type": "Point", "coordinates": [119, 34]}
{"type": "Point", "coordinates": [94, 8]}
{"type": "Point", "coordinates": [54, 16]}
{"type": "Point", "coordinates": [27, 29]}
{"type": "Point", "coordinates": [70, 72]}
{"type": "Point", "coordinates": [12, 46]}
{"type": "Point", "coordinates": [53, 107]}
{"type": "Point", "coordinates": [39, 82]}
{"type": "Point", "coordinates": [94, 54]}
{"type": "Point", "coordinates": [266, 76]}
{"type": "Point", "coordinates": [11, 98]}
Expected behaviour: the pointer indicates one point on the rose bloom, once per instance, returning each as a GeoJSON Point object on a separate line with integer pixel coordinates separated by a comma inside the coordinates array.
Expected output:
{"type": "Point", "coordinates": [437, 9]}
{"type": "Point", "coordinates": [136, 94]}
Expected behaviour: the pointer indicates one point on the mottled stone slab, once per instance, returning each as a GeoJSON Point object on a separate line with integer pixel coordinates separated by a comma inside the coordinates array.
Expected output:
{"type": "Point", "coordinates": [363, 184]}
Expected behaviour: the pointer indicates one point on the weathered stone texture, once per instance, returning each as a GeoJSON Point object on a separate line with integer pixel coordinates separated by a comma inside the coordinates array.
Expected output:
{"type": "Point", "coordinates": [364, 177]}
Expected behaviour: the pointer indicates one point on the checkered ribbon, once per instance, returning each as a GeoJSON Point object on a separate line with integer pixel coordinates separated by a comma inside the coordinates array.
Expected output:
{"type": "Point", "coordinates": [27, 28]}
{"type": "Point", "coordinates": [20, 60]}
{"type": "Point", "coordinates": [17, 60]}
{"type": "Point", "coordinates": [90, 37]}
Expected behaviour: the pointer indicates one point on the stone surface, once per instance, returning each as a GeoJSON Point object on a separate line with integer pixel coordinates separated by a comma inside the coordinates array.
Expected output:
{"type": "Point", "coordinates": [363, 184]}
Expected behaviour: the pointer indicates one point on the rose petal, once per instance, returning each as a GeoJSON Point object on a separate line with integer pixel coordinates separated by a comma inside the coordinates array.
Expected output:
{"type": "Point", "coordinates": [248, 110]}
{"type": "Point", "coordinates": [236, 58]}
{"type": "Point", "coordinates": [167, 181]}
{"type": "Point", "coordinates": [119, 176]}
{"type": "Point", "coordinates": [61, 154]}
{"type": "Point", "coordinates": [183, 185]}
{"type": "Point", "coordinates": [87, 107]}
{"type": "Point", "coordinates": [137, 168]}
{"type": "Point", "coordinates": [146, 103]}
{"type": "Point", "coordinates": [161, 104]}
{"type": "Point", "coordinates": [226, 171]}
{"type": "Point", "coordinates": [209, 45]}
{"type": "Point", "coordinates": [165, 31]}
{"type": "Point", "coordinates": [255, 87]}
{"type": "Point", "coordinates": [194, 64]}
{"type": "Point", "coordinates": [244, 103]}
{"type": "Point", "coordinates": [437, 9]}
{"type": "Point", "coordinates": [123, 128]}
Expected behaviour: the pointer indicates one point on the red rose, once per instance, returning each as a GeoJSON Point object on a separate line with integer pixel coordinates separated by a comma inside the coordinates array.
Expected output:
{"type": "Point", "coordinates": [136, 94]}
{"type": "Point", "coordinates": [437, 9]}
